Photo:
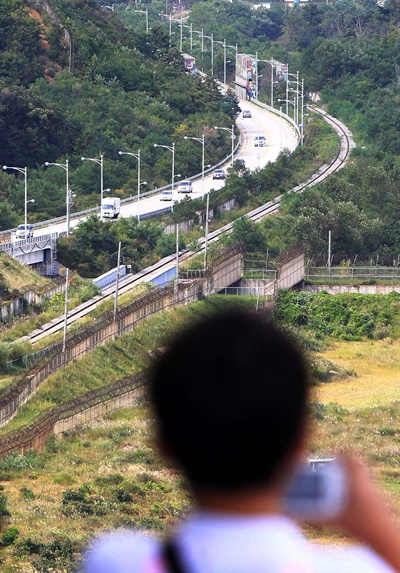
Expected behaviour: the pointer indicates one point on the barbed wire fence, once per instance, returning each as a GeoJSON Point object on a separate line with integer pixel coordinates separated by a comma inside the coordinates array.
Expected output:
{"type": "Point", "coordinates": [225, 266]}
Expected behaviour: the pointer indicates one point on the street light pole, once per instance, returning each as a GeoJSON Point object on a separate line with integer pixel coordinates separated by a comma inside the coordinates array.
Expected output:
{"type": "Point", "coordinates": [171, 148]}
{"type": "Point", "coordinates": [272, 64]}
{"type": "Point", "coordinates": [117, 282]}
{"type": "Point", "coordinates": [200, 140]}
{"type": "Point", "coordinates": [211, 37]}
{"type": "Point", "coordinates": [206, 234]}
{"type": "Point", "coordinates": [65, 310]}
{"type": "Point", "coordinates": [146, 12]}
{"type": "Point", "coordinates": [136, 156]}
{"type": "Point", "coordinates": [68, 194]}
{"type": "Point", "coordinates": [101, 163]}
{"type": "Point", "coordinates": [232, 132]}
{"type": "Point", "coordinates": [23, 170]}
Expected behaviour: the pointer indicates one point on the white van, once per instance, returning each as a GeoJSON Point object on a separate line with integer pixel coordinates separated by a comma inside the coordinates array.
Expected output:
{"type": "Point", "coordinates": [166, 196]}
{"type": "Point", "coordinates": [22, 232]}
{"type": "Point", "coordinates": [185, 187]}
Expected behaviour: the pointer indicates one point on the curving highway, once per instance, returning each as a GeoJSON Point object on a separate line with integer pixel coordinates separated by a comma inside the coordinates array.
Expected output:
{"type": "Point", "coordinates": [278, 133]}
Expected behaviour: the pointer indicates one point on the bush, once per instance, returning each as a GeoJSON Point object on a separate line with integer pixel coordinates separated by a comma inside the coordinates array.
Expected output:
{"type": "Point", "coordinates": [113, 479]}
{"type": "Point", "coordinates": [9, 536]}
{"type": "Point", "coordinates": [3, 506]}
{"type": "Point", "coordinates": [26, 493]}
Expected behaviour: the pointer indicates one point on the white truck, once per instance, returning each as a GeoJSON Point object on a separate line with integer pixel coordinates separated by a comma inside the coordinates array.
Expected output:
{"type": "Point", "coordinates": [111, 207]}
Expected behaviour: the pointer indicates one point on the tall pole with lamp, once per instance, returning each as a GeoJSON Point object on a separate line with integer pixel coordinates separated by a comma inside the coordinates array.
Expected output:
{"type": "Point", "coordinates": [136, 156]}
{"type": "Point", "coordinates": [232, 132]}
{"type": "Point", "coordinates": [171, 148]}
{"type": "Point", "coordinates": [200, 140]}
{"type": "Point", "coordinates": [68, 195]}
{"type": "Point", "coordinates": [211, 37]}
{"type": "Point", "coordinates": [23, 170]}
{"type": "Point", "coordinates": [101, 163]}
{"type": "Point", "coordinates": [146, 12]}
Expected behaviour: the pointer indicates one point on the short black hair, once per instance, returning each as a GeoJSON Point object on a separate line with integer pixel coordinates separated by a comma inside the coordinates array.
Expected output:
{"type": "Point", "coordinates": [230, 394]}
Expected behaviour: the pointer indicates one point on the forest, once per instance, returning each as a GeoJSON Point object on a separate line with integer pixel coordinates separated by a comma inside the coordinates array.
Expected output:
{"type": "Point", "coordinates": [132, 92]}
{"type": "Point", "coordinates": [122, 91]}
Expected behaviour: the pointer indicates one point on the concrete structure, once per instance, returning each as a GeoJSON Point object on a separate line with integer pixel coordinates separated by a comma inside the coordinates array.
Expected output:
{"type": "Point", "coordinates": [33, 251]}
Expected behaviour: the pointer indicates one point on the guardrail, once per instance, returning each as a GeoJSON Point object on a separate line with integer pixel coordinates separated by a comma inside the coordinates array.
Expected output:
{"type": "Point", "coordinates": [131, 199]}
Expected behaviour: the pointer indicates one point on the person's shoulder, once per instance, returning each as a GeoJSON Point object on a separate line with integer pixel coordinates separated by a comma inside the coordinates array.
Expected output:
{"type": "Point", "coordinates": [122, 552]}
{"type": "Point", "coordinates": [353, 559]}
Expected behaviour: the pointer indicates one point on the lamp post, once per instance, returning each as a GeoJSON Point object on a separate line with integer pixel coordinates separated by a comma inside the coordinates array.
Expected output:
{"type": "Point", "coordinates": [23, 170]}
{"type": "Point", "coordinates": [181, 34]}
{"type": "Point", "coordinates": [290, 101]}
{"type": "Point", "coordinates": [136, 156]}
{"type": "Point", "coordinates": [146, 12]}
{"type": "Point", "coordinates": [211, 37]}
{"type": "Point", "coordinates": [201, 141]}
{"type": "Point", "coordinates": [101, 163]}
{"type": "Point", "coordinates": [235, 47]}
{"type": "Point", "coordinates": [68, 194]}
{"type": "Point", "coordinates": [190, 28]}
{"type": "Point", "coordinates": [65, 310]}
{"type": "Point", "coordinates": [171, 148]}
{"type": "Point", "coordinates": [296, 75]}
{"type": "Point", "coordinates": [272, 64]}
{"type": "Point", "coordinates": [223, 44]}
{"type": "Point", "coordinates": [169, 16]}
{"type": "Point", "coordinates": [117, 282]}
{"type": "Point", "coordinates": [299, 91]}
{"type": "Point", "coordinates": [232, 132]}
{"type": "Point", "coordinates": [206, 234]}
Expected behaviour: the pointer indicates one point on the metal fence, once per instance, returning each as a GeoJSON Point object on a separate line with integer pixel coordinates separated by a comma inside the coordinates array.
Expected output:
{"type": "Point", "coordinates": [106, 329]}
{"type": "Point", "coordinates": [346, 273]}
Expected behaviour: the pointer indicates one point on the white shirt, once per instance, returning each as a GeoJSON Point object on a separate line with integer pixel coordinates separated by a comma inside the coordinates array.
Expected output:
{"type": "Point", "coordinates": [218, 543]}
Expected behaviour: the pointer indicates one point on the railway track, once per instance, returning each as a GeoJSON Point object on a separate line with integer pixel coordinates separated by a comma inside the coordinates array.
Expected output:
{"type": "Point", "coordinates": [168, 264]}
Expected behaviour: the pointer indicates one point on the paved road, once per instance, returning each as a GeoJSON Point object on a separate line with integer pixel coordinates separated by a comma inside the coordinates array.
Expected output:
{"type": "Point", "coordinates": [279, 135]}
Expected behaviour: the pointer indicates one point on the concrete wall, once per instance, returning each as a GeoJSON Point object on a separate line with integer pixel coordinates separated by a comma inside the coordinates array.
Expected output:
{"type": "Point", "coordinates": [353, 289]}
{"type": "Point", "coordinates": [291, 273]}
{"type": "Point", "coordinates": [267, 285]}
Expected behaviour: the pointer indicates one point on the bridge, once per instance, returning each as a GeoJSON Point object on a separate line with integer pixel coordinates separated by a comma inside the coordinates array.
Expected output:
{"type": "Point", "coordinates": [40, 251]}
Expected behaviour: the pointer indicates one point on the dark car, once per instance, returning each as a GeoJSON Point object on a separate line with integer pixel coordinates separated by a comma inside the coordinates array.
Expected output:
{"type": "Point", "coordinates": [219, 174]}
{"type": "Point", "coordinates": [246, 113]}
{"type": "Point", "coordinates": [260, 141]}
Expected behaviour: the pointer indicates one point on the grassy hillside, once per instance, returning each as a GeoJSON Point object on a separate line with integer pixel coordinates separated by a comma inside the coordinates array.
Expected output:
{"type": "Point", "coordinates": [108, 474]}
{"type": "Point", "coordinates": [15, 277]}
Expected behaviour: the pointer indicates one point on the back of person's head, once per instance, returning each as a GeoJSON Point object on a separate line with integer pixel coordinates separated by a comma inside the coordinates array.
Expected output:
{"type": "Point", "coordinates": [230, 394]}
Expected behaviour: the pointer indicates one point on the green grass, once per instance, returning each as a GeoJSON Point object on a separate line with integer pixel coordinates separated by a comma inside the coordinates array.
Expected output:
{"type": "Point", "coordinates": [108, 473]}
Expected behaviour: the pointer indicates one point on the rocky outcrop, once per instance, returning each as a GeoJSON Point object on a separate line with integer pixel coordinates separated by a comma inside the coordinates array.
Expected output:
{"type": "Point", "coordinates": [44, 6]}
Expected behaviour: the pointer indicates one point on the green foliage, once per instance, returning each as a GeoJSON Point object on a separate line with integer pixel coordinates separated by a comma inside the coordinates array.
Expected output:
{"type": "Point", "coordinates": [15, 462]}
{"type": "Point", "coordinates": [26, 493]}
{"type": "Point", "coordinates": [125, 91]}
{"type": "Point", "coordinates": [57, 555]}
{"type": "Point", "coordinates": [80, 502]}
{"type": "Point", "coordinates": [10, 535]}
{"type": "Point", "coordinates": [4, 512]}
{"type": "Point", "coordinates": [345, 317]}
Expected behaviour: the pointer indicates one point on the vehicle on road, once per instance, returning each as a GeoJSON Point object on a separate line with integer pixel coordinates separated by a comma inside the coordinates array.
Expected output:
{"type": "Point", "coordinates": [24, 231]}
{"type": "Point", "coordinates": [185, 187]}
{"type": "Point", "coordinates": [260, 141]}
{"type": "Point", "coordinates": [111, 207]}
{"type": "Point", "coordinates": [246, 113]}
{"type": "Point", "coordinates": [166, 196]}
{"type": "Point", "coordinates": [219, 174]}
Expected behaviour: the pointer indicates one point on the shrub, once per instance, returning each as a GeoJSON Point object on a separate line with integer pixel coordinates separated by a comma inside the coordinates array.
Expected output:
{"type": "Point", "coordinates": [113, 479]}
{"type": "Point", "coordinates": [9, 536]}
{"type": "Point", "coordinates": [3, 506]}
{"type": "Point", "coordinates": [122, 496]}
{"type": "Point", "coordinates": [26, 493]}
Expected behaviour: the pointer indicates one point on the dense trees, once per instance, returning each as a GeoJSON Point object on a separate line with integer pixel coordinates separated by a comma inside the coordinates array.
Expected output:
{"type": "Point", "coordinates": [125, 91]}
